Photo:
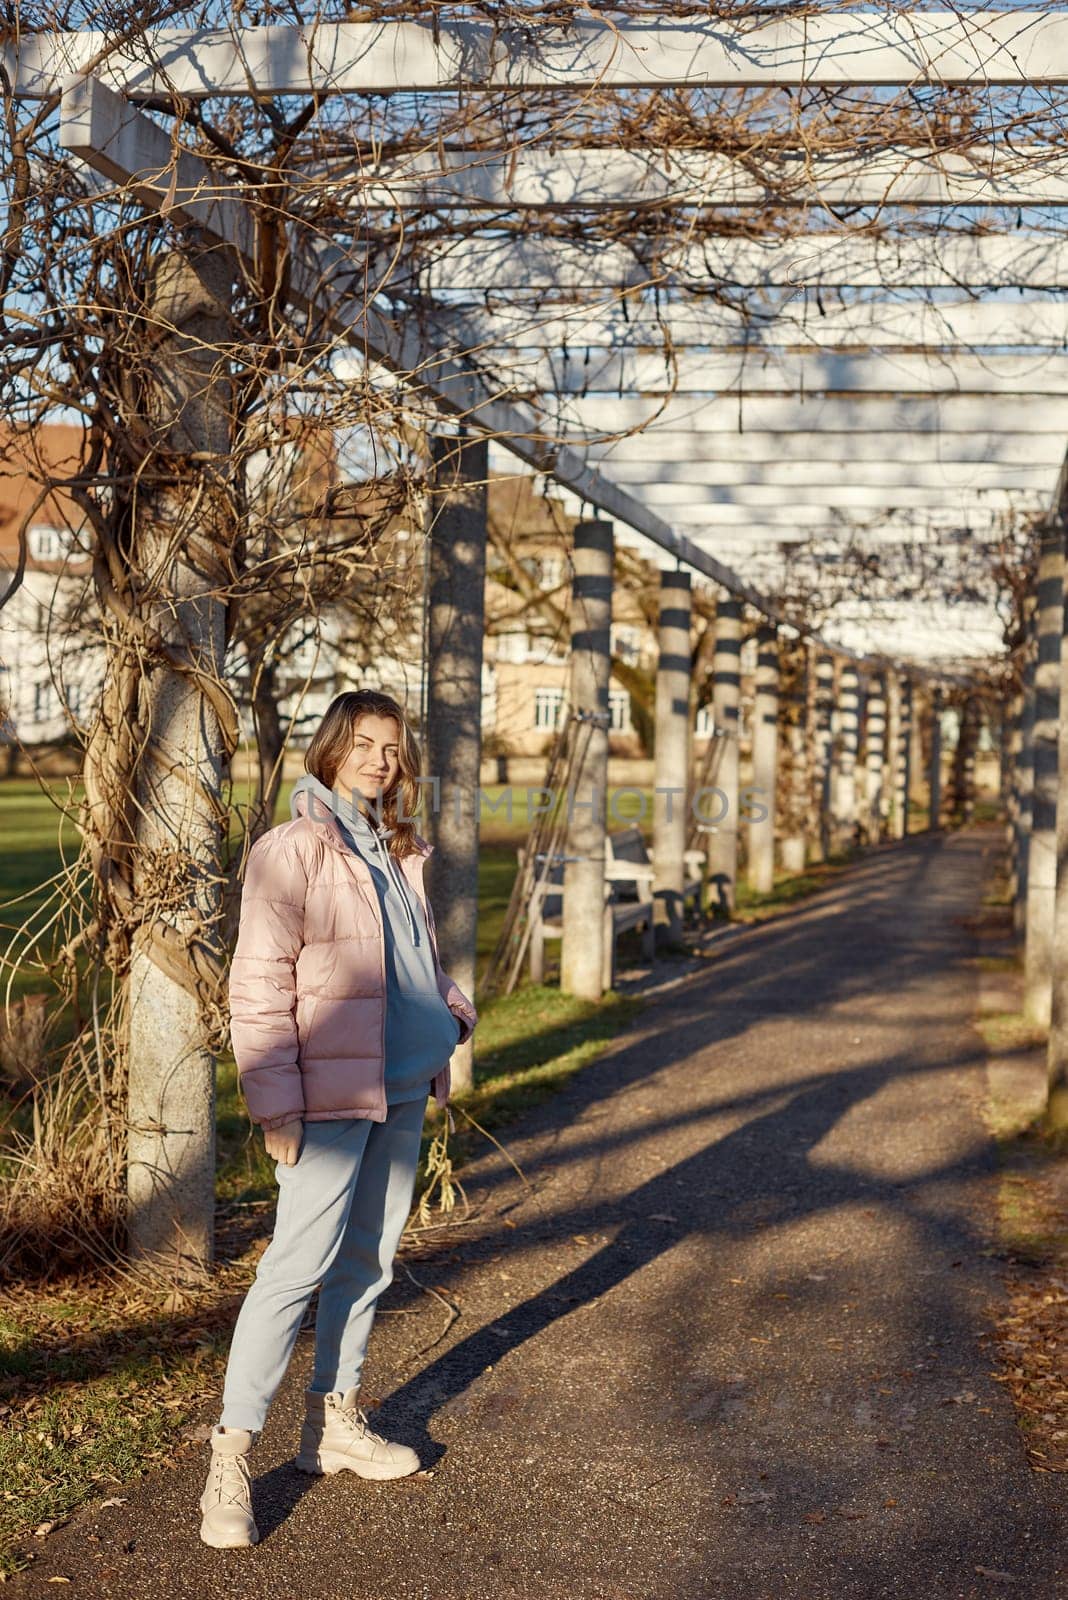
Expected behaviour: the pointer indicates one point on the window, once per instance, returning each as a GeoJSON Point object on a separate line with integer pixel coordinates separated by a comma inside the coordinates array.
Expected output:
{"type": "Point", "coordinates": [48, 544]}
{"type": "Point", "coordinates": [551, 572]}
{"type": "Point", "coordinates": [546, 571]}
{"type": "Point", "coordinates": [619, 710]}
{"type": "Point", "coordinates": [513, 646]}
{"type": "Point", "coordinates": [547, 649]}
{"type": "Point", "coordinates": [44, 701]}
{"type": "Point", "coordinates": [76, 701]}
{"type": "Point", "coordinates": [548, 708]}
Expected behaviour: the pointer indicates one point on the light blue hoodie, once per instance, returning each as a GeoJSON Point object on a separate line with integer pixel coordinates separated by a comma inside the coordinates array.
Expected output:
{"type": "Point", "coordinates": [421, 1031]}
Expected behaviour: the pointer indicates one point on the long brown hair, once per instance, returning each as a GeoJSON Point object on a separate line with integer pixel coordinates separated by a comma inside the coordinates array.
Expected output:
{"type": "Point", "coordinates": [333, 739]}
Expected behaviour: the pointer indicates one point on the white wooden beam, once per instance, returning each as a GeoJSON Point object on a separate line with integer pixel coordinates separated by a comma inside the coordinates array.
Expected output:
{"type": "Point", "coordinates": [826, 543]}
{"type": "Point", "coordinates": [981, 48]}
{"type": "Point", "coordinates": [803, 321]}
{"type": "Point", "coordinates": [693, 372]}
{"type": "Point", "coordinates": [600, 418]}
{"type": "Point", "coordinates": [684, 501]}
{"type": "Point", "coordinates": [996, 457]}
{"type": "Point", "coordinates": [949, 259]}
{"type": "Point", "coordinates": [806, 474]}
{"type": "Point", "coordinates": [573, 177]}
{"type": "Point", "coordinates": [730, 507]}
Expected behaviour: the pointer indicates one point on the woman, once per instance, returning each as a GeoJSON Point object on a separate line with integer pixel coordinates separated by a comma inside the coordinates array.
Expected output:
{"type": "Point", "coordinates": [342, 1023]}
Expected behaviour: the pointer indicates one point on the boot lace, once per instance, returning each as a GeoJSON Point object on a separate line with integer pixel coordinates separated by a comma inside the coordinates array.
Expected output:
{"type": "Point", "coordinates": [230, 1480]}
{"type": "Point", "coordinates": [355, 1418]}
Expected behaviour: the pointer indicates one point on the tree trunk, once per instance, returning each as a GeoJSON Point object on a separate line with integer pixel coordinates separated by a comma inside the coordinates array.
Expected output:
{"type": "Point", "coordinates": [180, 527]}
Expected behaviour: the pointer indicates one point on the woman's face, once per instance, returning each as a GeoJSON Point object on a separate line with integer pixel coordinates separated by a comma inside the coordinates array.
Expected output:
{"type": "Point", "coordinates": [374, 760]}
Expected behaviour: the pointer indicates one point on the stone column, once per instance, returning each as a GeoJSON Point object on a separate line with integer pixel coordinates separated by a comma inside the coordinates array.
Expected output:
{"type": "Point", "coordinates": [845, 788]}
{"type": "Point", "coordinates": [970, 729]}
{"type": "Point", "coordinates": [1011, 725]}
{"type": "Point", "coordinates": [453, 733]}
{"type": "Point", "coordinates": [934, 777]}
{"type": "Point", "coordinates": [726, 694]}
{"type": "Point", "coordinates": [891, 822]}
{"type": "Point", "coordinates": [762, 807]}
{"type": "Point", "coordinates": [1057, 1053]}
{"type": "Point", "coordinates": [793, 850]}
{"type": "Point", "coordinates": [875, 754]}
{"type": "Point", "coordinates": [902, 758]}
{"type": "Point", "coordinates": [1025, 783]}
{"type": "Point", "coordinates": [672, 753]}
{"type": "Point", "coordinates": [916, 777]}
{"type": "Point", "coordinates": [1041, 872]}
{"type": "Point", "coordinates": [582, 955]}
{"type": "Point", "coordinates": [821, 721]}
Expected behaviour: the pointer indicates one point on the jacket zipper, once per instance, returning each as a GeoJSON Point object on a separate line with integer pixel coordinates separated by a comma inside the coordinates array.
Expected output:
{"type": "Point", "coordinates": [359, 868]}
{"type": "Point", "coordinates": [356, 865]}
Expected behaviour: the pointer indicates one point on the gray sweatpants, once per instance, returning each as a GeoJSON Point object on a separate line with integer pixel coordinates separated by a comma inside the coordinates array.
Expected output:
{"type": "Point", "coordinates": [341, 1212]}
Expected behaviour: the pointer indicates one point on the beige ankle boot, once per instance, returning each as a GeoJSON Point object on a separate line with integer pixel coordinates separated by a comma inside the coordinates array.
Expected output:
{"type": "Point", "coordinates": [227, 1499]}
{"type": "Point", "coordinates": [335, 1436]}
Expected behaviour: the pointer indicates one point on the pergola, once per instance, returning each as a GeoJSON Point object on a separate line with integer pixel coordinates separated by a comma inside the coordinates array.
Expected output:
{"type": "Point", "coordinates": [747, 404]}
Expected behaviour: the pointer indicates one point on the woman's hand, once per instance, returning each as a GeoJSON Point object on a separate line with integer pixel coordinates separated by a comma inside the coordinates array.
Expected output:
{"type": "Point", "coordinates": [283, 1144]}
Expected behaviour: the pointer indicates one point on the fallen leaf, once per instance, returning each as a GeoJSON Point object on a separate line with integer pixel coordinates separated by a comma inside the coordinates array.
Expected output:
{"type": "Point", "coordinates": [816, 1516]}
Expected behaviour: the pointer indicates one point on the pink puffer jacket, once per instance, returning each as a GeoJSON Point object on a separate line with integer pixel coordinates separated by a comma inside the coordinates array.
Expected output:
{"type": "Point", "coordinates": [307, 981]}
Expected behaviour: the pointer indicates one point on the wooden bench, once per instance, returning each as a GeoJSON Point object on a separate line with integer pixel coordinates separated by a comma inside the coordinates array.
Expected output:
{"type": "Point", "coordinates": [628, 862]}
{"type": "Point", "coordinates": [546, 915]}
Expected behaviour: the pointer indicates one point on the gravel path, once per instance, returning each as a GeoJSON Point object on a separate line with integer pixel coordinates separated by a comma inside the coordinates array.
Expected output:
{"type": "Point", "coordinates": [728, 1340]}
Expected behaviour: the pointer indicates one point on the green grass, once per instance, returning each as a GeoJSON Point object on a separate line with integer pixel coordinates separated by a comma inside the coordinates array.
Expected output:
{"type": "Point", "coordinates": [36, 842]}
{"type": "Point", "coordinates": [80, 1428]}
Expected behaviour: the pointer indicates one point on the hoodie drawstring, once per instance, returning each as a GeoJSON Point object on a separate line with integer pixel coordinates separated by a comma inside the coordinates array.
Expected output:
{"type": "Point", "coordinates": [351, 817]}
